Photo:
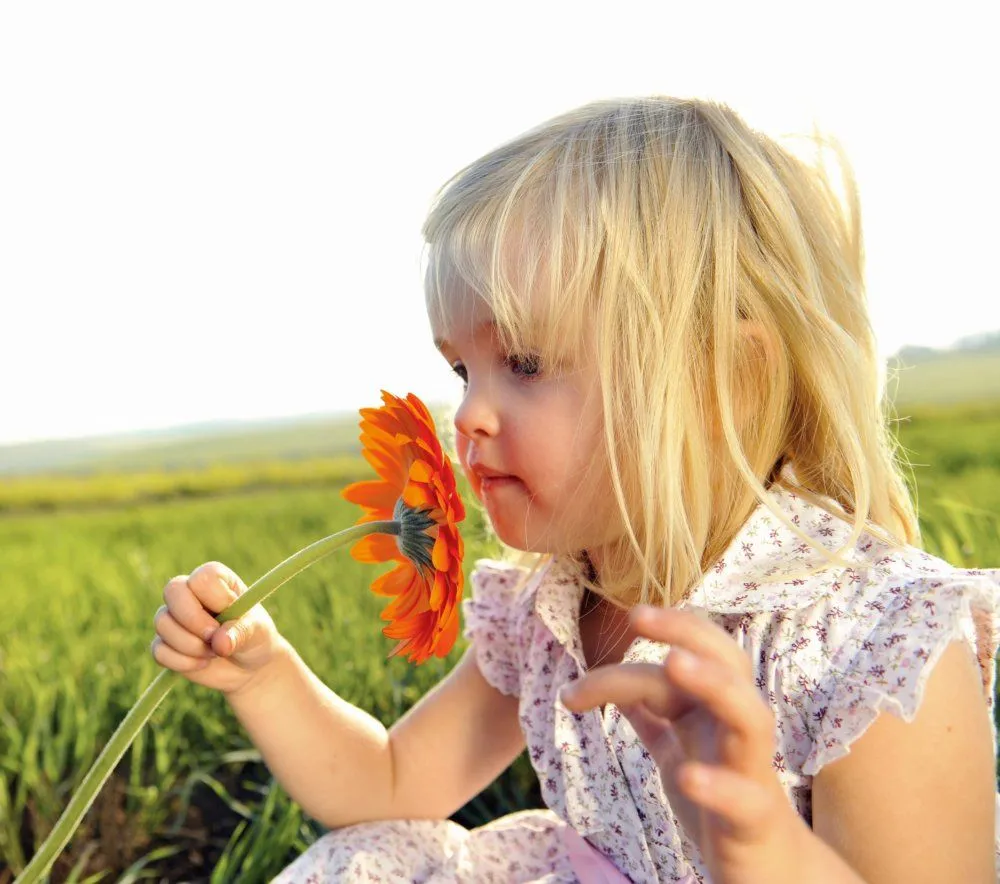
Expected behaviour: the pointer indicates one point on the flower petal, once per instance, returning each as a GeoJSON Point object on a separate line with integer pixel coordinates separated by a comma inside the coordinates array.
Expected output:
{"type": "Point", "coordinates": [438, 590]}
{"type": "Point", "coordinates": [396, 581]}
{"type": "Point", "coordinates": [372, 493]}
{"type": "Point", "coordinates": [447, 635]}
{"type": "Point", "coordinates": [419, 497]}
{"type": "Point", "coordinates": [421, 471]}
{"type": "Point", "coordinates": [377, 548]}
{"type": "Point", "coordinates": [441, 555]}
{"type": "Point", "coordinates": [406, 605]}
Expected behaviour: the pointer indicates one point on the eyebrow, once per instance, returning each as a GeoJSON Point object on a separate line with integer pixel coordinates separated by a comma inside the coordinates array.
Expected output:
{"type": "Point", "coordinates": [441, 343]}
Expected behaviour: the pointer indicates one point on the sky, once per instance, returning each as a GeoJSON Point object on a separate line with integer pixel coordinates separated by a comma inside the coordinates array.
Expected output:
{"type": "Point", "coordinates": [212, 211]}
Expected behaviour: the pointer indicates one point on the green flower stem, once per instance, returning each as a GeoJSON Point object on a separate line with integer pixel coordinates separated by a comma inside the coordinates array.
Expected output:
{"type": "Point", "coordinates": [161, 685]}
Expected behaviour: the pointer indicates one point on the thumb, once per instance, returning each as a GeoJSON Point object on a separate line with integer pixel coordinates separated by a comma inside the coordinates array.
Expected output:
{"type": "Point", "coordinates": [226, 639]}
{"type": "Point", "coordinates": [232, 636]}
{"type": "Point", "coordinates": [249, 631]}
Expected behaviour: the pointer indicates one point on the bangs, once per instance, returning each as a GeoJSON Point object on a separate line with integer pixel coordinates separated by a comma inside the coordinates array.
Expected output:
{"type": "Point", "coordinates": [515, 235]}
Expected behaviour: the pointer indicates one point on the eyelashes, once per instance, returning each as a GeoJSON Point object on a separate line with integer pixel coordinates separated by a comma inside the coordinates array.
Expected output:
{"type": "Point", "coordinates": [460, 371]}
{"type": "Point", "coordinates": [527, 366]}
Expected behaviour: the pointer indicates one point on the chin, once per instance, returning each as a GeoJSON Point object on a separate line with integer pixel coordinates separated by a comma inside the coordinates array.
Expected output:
{"type": "Point", "coordinates": [532, 544]}
{"type": "Point", "coordinates": [519, 533]}
{"type": "Point", "coordinates": [516, 539]}
{"type": "Point", "coordinates": [518, 542]}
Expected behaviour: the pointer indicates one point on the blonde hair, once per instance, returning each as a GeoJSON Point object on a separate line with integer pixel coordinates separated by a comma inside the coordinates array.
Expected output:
{"type": "Point", "coordinates": [716, 280]}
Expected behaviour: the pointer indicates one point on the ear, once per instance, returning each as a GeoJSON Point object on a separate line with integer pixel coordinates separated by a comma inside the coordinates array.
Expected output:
{"type": "Point", "coordinates": [758, 378]}
{"type": "Point", "coordinates": [756, 366]}
{"type": "Point", "coordinates": [759, 339]}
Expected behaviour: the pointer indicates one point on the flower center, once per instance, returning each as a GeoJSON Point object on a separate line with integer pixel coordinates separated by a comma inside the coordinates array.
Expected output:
{"type": "Point", "coordinates": [413, 540]}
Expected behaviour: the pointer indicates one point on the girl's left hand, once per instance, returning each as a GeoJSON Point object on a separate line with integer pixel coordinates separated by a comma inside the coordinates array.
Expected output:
{"type": "Point", "coordinates": [712, 737]}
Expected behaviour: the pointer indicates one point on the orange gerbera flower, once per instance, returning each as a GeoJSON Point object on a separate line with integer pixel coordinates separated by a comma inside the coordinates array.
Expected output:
{"type": "Point", "coordinates": [416, 489]}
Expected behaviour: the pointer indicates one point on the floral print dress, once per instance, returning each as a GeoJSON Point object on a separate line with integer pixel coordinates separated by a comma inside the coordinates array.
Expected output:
{"type": "Point", "coordinates": [830, 651]}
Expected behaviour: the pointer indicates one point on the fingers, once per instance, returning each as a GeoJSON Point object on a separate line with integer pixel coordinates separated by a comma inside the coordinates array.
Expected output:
{"type": "Point", "coordinates": [177, 637]}
{"type": "Point", "coordinates": [708, 666]}
{"type": "Point", "coordinates": [626, 684]}
{"type": "Point", "coordinates": [686, 629]}
{"type": "Point", "coordinates": [732, 699]}
{"type": "Point", "coordinates": [684, 683]}
{"type": "Point", "coordinates": [657, 735]}
{"type": "Point", "coordinates": [743, 804]}
{"type": "Point", "coordinates": [215, 586]}
{"type": "Point", "coordinates": [187, 633]}
{"type": "Point", "coordinates": [212, 587]}
{"type": "Point", "coordinates": [173, 659]}
{"type": "Point", "coordinates": [690, 682]}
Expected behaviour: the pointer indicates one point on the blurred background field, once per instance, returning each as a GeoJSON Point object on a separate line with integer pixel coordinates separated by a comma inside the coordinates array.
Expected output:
{"type": "Point", "coordinates": [89, 534]}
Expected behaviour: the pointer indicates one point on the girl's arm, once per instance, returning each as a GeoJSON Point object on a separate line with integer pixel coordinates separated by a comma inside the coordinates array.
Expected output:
{"type": "Point", "coordinates": [451, 745]}
{"type": "Point", "coordinates": [916, 801]}
{"type": "Point", "coordinates": [343, 767]}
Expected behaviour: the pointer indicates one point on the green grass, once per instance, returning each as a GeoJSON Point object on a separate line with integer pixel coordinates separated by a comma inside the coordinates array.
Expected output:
{"type": "Point", "coordinates": [80, 591]}
{"type": "Point", "coordinates": [48, 493]}
{"type": "Point", "coordinates": [186, 448]}
{"type": "Point", "coordinates": [951, 378]}
{"type": "Point", "coordinates": [943, 440]}
{"type": "Point", "coordinates": [192, 800]}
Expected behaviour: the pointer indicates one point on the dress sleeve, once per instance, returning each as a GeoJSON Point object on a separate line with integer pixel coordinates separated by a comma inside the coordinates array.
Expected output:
{"type": "Point", "coordinates": [886, 665]}
{"type": "Point", "coordinates": [490, 623]}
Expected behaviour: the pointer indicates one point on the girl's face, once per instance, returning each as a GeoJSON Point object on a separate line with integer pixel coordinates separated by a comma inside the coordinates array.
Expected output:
{"type": "Point", "coordinates": [529, 441]}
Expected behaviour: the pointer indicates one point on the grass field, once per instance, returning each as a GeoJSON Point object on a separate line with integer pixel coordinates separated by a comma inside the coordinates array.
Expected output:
{"type": "Point", "coordinates": [949, 378]}
{"type": "Point", "coordinates": [84, 563]}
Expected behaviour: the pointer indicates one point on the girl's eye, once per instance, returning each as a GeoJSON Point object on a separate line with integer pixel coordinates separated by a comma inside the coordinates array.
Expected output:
{"type": "Point", "coordinates": [459, 369]}
{"type": "Point", "coordinates": [527, 365]}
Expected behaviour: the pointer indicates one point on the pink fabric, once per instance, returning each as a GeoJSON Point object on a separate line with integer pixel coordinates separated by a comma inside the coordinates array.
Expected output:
{"type": "Point", "coordinates": [593, 867]}
{"type": "Point", "coordinates": [589, 864]}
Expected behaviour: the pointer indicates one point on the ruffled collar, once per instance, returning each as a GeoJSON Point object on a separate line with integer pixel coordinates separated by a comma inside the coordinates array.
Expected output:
{"type": "Point", "coordinates": [766, 567]}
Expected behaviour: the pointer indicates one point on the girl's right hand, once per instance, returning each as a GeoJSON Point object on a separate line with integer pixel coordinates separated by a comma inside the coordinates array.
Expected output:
{"type": "Point", "coordinates": [191, 642]}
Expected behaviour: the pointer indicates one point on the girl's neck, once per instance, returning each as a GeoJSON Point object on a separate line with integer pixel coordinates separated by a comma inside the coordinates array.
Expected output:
{"type": "Point", "coordinates": [592, 572]}
{"type": "Point", "coordinates": [605, 633]}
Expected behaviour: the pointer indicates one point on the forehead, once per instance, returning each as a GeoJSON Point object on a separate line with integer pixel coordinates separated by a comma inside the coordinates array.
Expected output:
{"type": "Point", "coordinates": [522, 308]}
{"type": "Point", "coordinates": [465, 316]}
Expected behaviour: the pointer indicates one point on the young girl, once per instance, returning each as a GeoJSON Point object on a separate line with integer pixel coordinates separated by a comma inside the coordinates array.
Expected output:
{"type": "Point", "coordinates": [728, 660]}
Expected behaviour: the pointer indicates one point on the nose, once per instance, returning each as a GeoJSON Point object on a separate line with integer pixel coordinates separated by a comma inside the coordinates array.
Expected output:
{"type": "Point", "coordinates": [478, 416]}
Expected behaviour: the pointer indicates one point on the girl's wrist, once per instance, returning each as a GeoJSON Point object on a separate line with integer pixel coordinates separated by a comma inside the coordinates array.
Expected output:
{"type": "Point", "coordinates": [793, 850]}
{"type": "Point", "coordinates": [782, 854]}
{"type": "Point", "coordinates": [813, 860]}
{"type": "Point", "coordinates": [283, 652]}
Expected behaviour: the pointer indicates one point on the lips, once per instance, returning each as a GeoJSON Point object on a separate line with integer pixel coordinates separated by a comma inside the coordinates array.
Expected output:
{"type": "Point", "coordinates": [491, 479]}
{"type": "Point", "coordinates": [492, 483]}
{"type": "Point", "coordinates": [487, 473]}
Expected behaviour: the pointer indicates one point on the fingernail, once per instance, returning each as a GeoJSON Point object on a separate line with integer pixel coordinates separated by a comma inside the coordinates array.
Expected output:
{"type": "Point", "coordinates": [642, 611]}
{"type": "Point", "coordinates": [698, 611]}
{"type": "Point", "coordinates": [697, 776]}
{"type": "Point", "coordinates": [232, 637]}
{"type": "Point", "coordinates": [684, 660]}
{"type": "Point", "coordinates": [208, 633]}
